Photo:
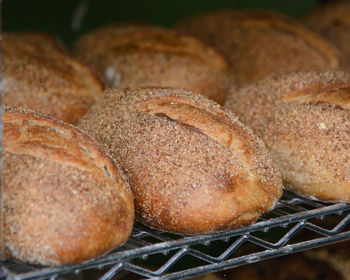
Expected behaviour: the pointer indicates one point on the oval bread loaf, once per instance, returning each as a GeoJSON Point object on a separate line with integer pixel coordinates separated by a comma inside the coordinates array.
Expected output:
{"type": "Point", "coordinates": [257, 44]}
{"type": "Point", "coordinates": [64, 201]}
{"type": "Point", "coordinates": [304, 119]}
{"type": "Point", "coordinates": [192, 166]}
{"type": "Point", "coordinates": [38, 75]}
{"type": "Point", "coordinates": [127, 55]}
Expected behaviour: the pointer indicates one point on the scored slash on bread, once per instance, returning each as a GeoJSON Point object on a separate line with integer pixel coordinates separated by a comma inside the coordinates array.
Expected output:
{"type": "Point", "coordinates": [333, 94]}
{"type": "Point", "coordinates": [38, 75]}
{"type": "Point", "coordinates": [304, 120]}
{"type": "Point", "coordinates": [127, 55]}
{"type": "Point", "coordinates": [64, 200]}
{"type": "Point", "coordinates": [121, 37]}
{"type": "Point", "coordinates": [192, 166]}
{"type": "Point", "coordinates": [261, 43]}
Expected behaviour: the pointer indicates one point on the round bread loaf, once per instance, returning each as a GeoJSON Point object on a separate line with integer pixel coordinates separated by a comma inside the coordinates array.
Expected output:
{"type": "Point", "coordinates": [64, 201]}
{"type": "Point", "coordinates": [192, 166]}
{"type": "Point", "coordinates": [126, 55]}
{"type": "Point", "coordinates": [332, 21]}
{"type": "Point", "coordinates": [257, 44]}
{"type": "Point", "coordinates": [304, 119]}
{"type": "Point", "coordinates": [38, 75]}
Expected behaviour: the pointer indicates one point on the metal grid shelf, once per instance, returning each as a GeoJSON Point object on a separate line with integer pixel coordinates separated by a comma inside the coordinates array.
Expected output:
{"type": "Point", "coordinates": [296, 224]}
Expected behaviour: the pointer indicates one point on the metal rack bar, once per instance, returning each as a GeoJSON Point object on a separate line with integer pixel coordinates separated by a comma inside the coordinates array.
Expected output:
{"type": "Point", "coordinates": [256, 257]}
{"type": "Point", "coordinates": [291, 216]}
{"type": "Point", "coordinates": [293, 213]}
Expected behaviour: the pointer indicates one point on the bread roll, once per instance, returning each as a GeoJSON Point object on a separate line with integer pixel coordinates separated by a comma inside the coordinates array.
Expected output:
{"type": "Point", "coordinates": [332, 21]}
{"type": "Point", "coordinates": [260, 43]}
{"type": "Point", "coordinates": [304, 119]}
{"type": "Point", "coordinates": [38, 75]}
{"type": "Point", "coordinates": [192, 166]}
{"type": "Point", "coordinates": [64, 201]}
{"type": "Point", "coordinates": [127, 55]}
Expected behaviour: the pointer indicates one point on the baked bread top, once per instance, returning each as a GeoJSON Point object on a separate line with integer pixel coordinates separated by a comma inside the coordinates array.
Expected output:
{"type": "Point", "coordinates": [260, 43]}
{"type": "Point", "coordinates": [193, 167]}
{"type": "Point", "coordinates": [304, 120]}
{"type": "Point", "coordinates": [130, 55]}
{"type": "Point", "coordinates": [137, 37]}
{"type": "Point", "coordinates": [64, 200]}
{"type": "Point", "coordinates": [39, 76]}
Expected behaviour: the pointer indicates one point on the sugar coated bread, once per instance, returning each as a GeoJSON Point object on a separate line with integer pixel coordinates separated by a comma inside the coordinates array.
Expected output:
{"type": "Point", "coordinates": [131, 55]}
{"type": "Point", "coordinates": [332, 21]}
{"type": "Point", "coordinates": [38, 75]}
{"type": "Point", "coordinates": [64, 201]}
{"type": "Point", "coordinates": [192, 166]}
{"type": "Point", "coordinates": [304, 119]}
{"type": "Point", "coordinates": [260, 43]}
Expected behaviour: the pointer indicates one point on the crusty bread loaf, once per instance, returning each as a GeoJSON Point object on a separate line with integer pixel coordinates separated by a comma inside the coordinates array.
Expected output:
{"type": "Point", "coordinates": [332, 21]}
{"type": "Point", "coordinates": [64, 201]}
{"type": "Point", "coordinates": [192, 166]}
{"type": "Point", "coordinates": [38, 75]}
{"type": "Point", "coordinates": [130, 55]}
{"type": "Point", "coordinates": [304, 119]}
{"type": "Point", "coordinates": [260, 43]}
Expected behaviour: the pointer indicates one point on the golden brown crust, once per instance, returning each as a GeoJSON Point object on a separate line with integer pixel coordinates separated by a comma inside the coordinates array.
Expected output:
{"type": "Point", "coordinates": [192, 166]}
{"type": "Point", "coordinates": [142, 55]}
{"type": "Point", "coordinates": [332, 21]}
{"type": "Point", "coordinates": [334, 94]}
{"type": "Point", "coordinates": [40, 77]}
{"type": "Point", "coordinates": [304, 120]}
{"type": "Point", "coordinates": [64, 199]}
{"type": "Point", "coordinates": [260, 43]}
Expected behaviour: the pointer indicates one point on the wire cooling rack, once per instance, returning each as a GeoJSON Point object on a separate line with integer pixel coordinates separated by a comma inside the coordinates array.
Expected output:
{"type": "Point", "coordinates": [296, 224]}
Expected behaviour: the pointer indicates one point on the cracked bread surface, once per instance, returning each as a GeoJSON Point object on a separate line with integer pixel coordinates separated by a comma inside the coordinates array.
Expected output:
{"type": "Point", "coordinates": [192, 166]}
{"type": "Point", "coordinates": [304, 120]}
{"type": "Point", "coordinates": [64, 200]}
{"type": "Point", "coordinates": [134, 55]}
{"type": "Point", "coordinates": [39, 75]}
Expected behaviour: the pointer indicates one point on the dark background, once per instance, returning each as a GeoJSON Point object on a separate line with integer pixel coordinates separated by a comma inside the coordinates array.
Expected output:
{"type": "Point", "coordinates": [55, 16]}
